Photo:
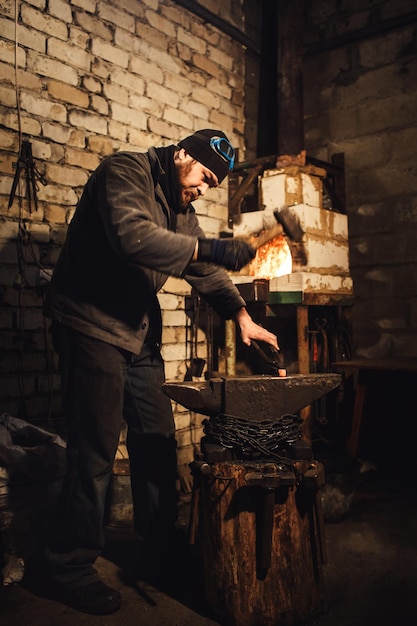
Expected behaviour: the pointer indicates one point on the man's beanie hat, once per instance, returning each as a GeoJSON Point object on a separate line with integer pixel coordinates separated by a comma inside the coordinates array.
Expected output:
{"type": "Point", "coordinates": [198, 146]}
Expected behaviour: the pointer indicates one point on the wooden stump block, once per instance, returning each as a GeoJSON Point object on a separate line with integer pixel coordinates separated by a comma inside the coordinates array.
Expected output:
{"type": "Point", "coordinates": [261, 548]}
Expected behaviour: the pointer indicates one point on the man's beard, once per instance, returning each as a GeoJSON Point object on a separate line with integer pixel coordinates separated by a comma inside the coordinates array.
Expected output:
{"type": "Point", "coordinates": [184, 195]}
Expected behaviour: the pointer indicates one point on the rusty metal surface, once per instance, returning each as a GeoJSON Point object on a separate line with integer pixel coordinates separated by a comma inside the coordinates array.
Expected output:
{"type": "Point", "coordinates": [255, 398]}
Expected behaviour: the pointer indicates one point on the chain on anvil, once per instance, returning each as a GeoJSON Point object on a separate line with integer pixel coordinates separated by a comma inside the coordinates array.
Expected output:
{"type": "Point", "coordinates": [26, 163]}
{"type": "Point", "coordinates": [269, 438]}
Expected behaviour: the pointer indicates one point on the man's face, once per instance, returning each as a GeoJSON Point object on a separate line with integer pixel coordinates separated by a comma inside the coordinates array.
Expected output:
{"type": "Point", "coordinates": [193, 177]}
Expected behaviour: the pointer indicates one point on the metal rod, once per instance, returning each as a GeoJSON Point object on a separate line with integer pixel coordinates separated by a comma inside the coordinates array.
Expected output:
{"type": "Point", "coordinates": [218, 22]}
{"type": "Point", "coordinates": [362, 33]}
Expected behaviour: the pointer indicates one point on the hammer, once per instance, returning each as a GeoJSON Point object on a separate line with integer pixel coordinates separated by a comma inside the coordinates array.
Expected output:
{"type": "Point", "coordinates": [288, 224]}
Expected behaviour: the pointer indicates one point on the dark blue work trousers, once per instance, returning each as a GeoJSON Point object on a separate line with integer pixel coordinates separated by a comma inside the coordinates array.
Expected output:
{"type": "Point", "coordinates": [101, 386]}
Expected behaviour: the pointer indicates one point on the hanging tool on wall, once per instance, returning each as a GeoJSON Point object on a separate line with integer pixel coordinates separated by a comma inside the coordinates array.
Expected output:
{"type": "Point", "coordinates": [26, 165]}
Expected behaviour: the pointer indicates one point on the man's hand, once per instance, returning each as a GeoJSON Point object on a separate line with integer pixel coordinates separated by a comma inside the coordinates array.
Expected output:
{"type": "Point", "coordinates": [250, 330]}
{"type": "Point", "coordinates": [232, 254]}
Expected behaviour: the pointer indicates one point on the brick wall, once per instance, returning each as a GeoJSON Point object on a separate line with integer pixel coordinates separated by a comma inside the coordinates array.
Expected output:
{"type": "Point", "coordinates": [80, 80]}
{"type": "Point", "coordinates": [361, 99]}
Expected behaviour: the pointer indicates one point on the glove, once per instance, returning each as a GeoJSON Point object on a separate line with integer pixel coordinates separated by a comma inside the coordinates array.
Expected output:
{"type": "Point", "coordinates": [233, 254]}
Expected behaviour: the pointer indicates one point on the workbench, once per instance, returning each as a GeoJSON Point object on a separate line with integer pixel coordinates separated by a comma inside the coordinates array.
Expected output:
{"type": "Point", "coordinates": [361, 369]}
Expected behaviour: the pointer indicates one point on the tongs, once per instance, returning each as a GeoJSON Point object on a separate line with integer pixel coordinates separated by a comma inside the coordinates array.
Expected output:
{"type": "Point", "coordinates": [273, 357]}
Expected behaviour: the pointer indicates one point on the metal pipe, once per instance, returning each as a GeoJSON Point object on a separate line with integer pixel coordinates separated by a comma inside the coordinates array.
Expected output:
{"type": "Point", "coordinates": [373, 30]}
{"type": "Point", "coordinates": [218, 22]}
{"type": "Point", "coordinates": [322, 46]}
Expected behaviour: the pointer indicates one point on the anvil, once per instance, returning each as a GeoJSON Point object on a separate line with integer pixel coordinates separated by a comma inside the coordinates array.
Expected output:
{"type": "Point", "coordinates": [256, 398]}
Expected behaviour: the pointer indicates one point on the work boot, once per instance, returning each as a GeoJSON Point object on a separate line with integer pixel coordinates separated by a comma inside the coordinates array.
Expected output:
{"type": "Point", "coordinates": [95, 598]}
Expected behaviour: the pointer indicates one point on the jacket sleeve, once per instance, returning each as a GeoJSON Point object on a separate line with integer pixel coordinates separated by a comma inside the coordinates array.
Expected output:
{"type": "Point", "coordinates": [212, 282]}
{"type": "Point", "coordinates": [136, 224]}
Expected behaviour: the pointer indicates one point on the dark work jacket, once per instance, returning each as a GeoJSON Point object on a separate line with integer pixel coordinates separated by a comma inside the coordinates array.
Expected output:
{"type": "Point", "coordinates": [119, 250]}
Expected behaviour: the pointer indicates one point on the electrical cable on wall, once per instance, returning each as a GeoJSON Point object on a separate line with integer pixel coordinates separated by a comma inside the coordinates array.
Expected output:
{"type": "Point", "coordinates": [25, 165]}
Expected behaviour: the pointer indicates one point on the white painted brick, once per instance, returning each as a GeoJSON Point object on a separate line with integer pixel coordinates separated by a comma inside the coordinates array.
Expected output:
{"type": "Point", "coordinates": [195, 43]}
{"type": "Point", "coordinates": [7, 96]}
{"type": "Point", "coordinates": [146, 69]}
{"type": "Point", "coordinates": [81, 158]}
{"type": "Point", "coordinates": [42, 107]}
{"type": "Point", "coordinates": [167, 61]}
{"type": "Point", "coordinates": [174, 352]}
{"type": "Point", "coordinates": [152, 4]}
{"type": "Point", "coordinates": [92, 84]}
{"type": "Point", "coordinates": [210, 226]}
{"type": "Point", "coordinates": [99, 104]}
{"type": "Point", "coordinates": [160, 24]}
{"type": "Point", "coordinates": [87, 5]}
{"type": "Point", "coordinates": [290, 186]}
{"type": "Point", "coordinates": [8, 229]}
{"type": "Point", "coordinates": [205, 96]}
{"type": "Point", "coordinates": [45, 66]}
{"type": "Point", "coordinates": [125, 78]}
{"type": "Point", "coordinates": [169, 301]}
{"type": "Point", "coordinates": [109, 52]}
{"type": "Point", "coordinates": [7, 54]}
{"type": "Point", "coordinates": [174, 318]}
{"type": "Point", "coordinates": [175, 370]}
{"type": "Point", "coordinates": [117, 17]}
{"type": "Point", "coordinates": [181, 84]}
{"type": "Point", "coordinates": [183, 438]}
{"type": "Point", "coordinates": [130, 42]}
{"type": "Point", "coordinates": [29, 125]}
{"type": "Point", "coordinates": [41, 149]}
{"type": "Point", "coordinates": [90, 24]}
{"type": "Point", "coordinates": [79, 38]}
{"type": "Point", "coordinates": [158, 92]}
{"type": "Point", "coordinates": [176, 116]}
{"type": "Point", "coordinates": [137, 7]}
{"type": "Point", "coordinates": [67, 93]}
{"type": "Point", "coordinates": [116, 92]}
{"type": "Point", "coordinates": [57, 194]}
{"type": "Point", "coordinates": [325, 256]}
{"type": "Point", "coordinates": [118, 132]}
{"type": "Point", "coordinates": [43, 22]}
{"type": "Point", "coordinates": [26, 37]}
{"type": "Point", "coordinates": [182, 420]}
{"type": "Point", "coordinates": [147, 105]}
{"type": "Point", "coordinates": [322, 222]}
{"type": "Point", "coordinates": [220, 57]}
{"type": "Point", "coordinates": [77, 138]}
{"type": "Point", "coordinates": [73, 55]}
{"type": "Point", "coordinates": [309, 282]}
{"type": "Point", "coordinates": [63, 175]}
{"type": "Point", "coordinates": [220, 88]}
{"type": "Point", "coordinates": [7, 139]}
{"type": "Point", "coordinates": [8, 254]}
{"type": "Point", "coordinates": [176, 286]}
{"type": "Point", "coordinates": [41, 233]}
{"type": "Point", "coordinates": [89, 121]}
{"type": "Point", "coordinates": [128, 116]}
{"type": "Point", "coordinates": [196, 109]}
{"type": "Point", "coordinates": [61, 10]}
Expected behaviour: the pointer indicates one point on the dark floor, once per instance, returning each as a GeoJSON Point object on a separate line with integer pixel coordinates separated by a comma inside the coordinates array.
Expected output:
{"type": "Point", "coordinates": [370, 575]}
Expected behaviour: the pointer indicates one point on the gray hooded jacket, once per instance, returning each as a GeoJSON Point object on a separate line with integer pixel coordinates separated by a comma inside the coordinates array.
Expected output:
{"type": "Point", "coordinates": [119, 250]}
